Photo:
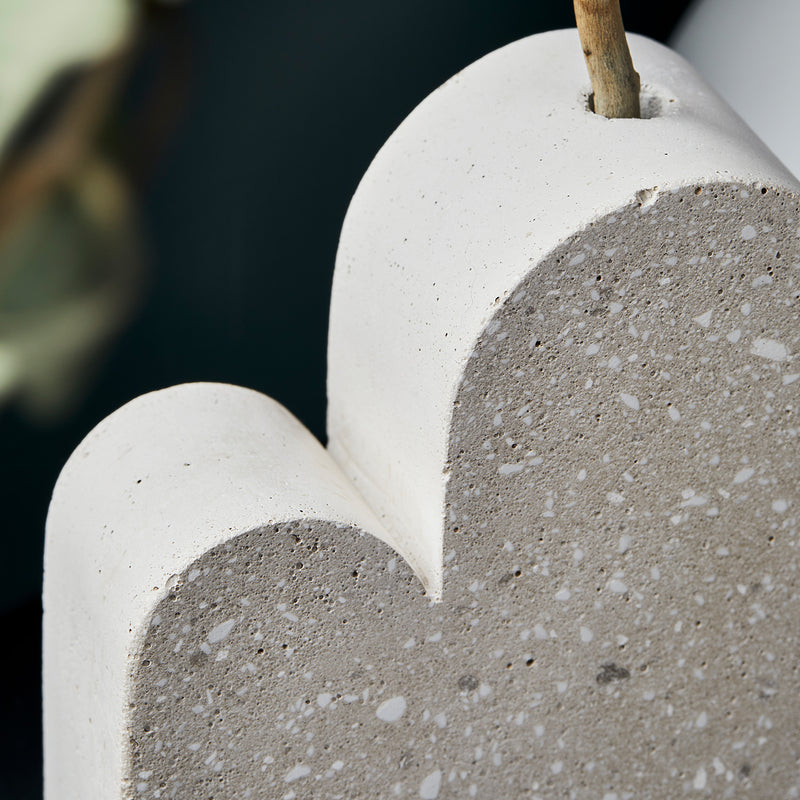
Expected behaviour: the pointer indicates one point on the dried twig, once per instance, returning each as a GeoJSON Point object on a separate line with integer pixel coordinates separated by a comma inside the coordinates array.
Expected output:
{"type": "Point", "coordinates": [615, 82]}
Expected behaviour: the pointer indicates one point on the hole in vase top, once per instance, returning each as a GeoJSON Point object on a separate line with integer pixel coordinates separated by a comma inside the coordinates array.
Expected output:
{"type": "Point", "coordinates": [652, 102]}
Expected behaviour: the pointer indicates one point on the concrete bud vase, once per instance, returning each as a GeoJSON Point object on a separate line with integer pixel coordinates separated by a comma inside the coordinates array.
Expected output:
{"type": "Point", "coordinates": [551, 550]}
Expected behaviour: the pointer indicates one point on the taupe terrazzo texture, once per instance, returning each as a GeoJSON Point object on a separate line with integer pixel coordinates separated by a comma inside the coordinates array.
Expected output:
{"type": "Point", "coordinates": [621, 615]}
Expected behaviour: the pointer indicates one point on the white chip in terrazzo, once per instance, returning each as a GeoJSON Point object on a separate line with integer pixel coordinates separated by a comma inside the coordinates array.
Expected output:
{"type": "Point", "coordinates": [429, 788]}
{"type": "Point", "coordinates": [221, 631]}
{"type": "Point", "coordinates": [391, 710]}
{"type": "Point", "coordinates": [297, 772]}
{"type": "Point", "coordinates": [769, 348]}
{"type": "Point", "coordinates": [630, 400]}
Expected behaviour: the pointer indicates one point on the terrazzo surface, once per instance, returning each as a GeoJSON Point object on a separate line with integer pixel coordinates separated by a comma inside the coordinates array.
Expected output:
{"type": "Point", "coordinates": [621, 609]}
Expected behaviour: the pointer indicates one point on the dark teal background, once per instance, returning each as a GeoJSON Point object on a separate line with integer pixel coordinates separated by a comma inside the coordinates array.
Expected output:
{"type": "Point", "coordinates": [285, 106]}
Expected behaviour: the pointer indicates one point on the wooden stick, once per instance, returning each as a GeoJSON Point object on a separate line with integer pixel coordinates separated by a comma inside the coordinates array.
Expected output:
{"type": "Point", "coordinates": [615, 82]}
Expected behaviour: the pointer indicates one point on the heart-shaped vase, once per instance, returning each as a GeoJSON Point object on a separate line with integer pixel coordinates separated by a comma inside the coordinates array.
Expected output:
{"type": "Point", "coordinates": [552, 549]}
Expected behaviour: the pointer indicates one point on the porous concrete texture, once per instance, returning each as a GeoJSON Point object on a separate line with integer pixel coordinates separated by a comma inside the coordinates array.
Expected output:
{"type": "Point", "coordinates": [571, 403]}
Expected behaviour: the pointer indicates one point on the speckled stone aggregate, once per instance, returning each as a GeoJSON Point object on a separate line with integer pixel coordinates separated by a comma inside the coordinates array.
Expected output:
{"type": "Point", "coordinates": [621, 611]}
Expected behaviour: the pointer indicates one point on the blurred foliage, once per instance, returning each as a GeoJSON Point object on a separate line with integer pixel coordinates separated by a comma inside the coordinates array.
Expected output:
{"type": "Point", "coordinates": [68, 279]}
{"type": "Point", "coordinates": [40, 38]}
{"type": "Point", "coordinates": [67, 242]}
